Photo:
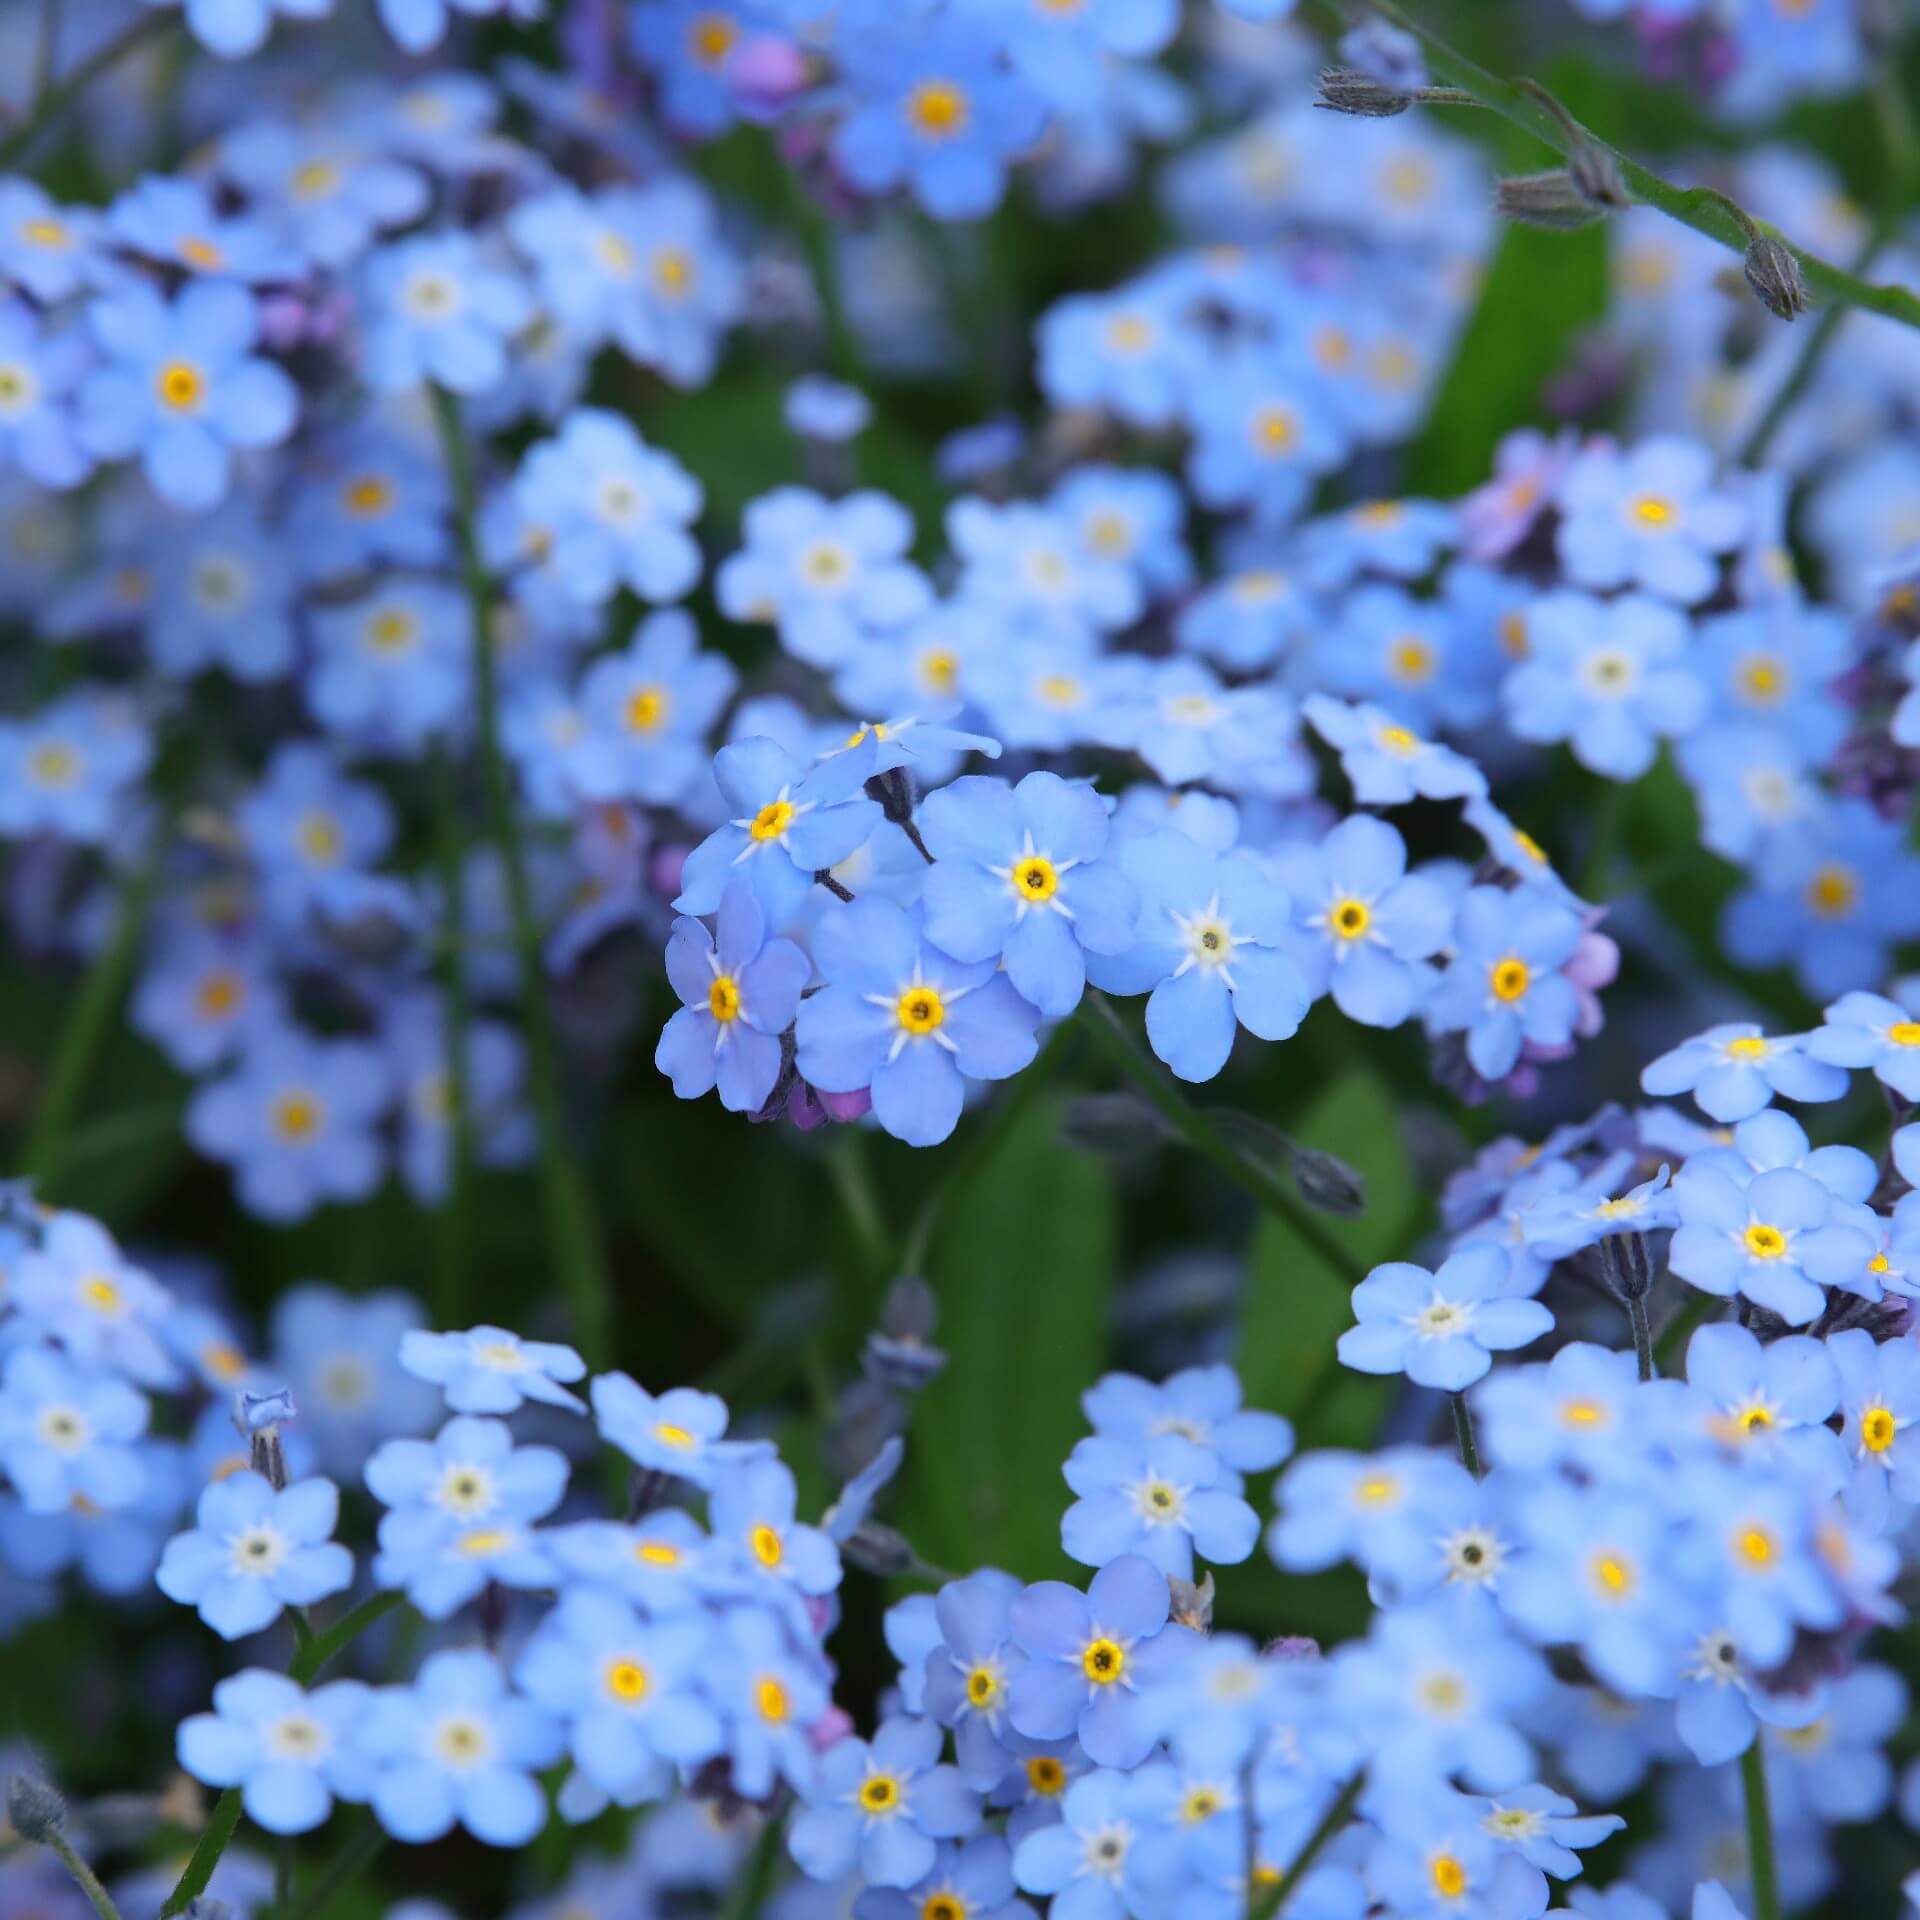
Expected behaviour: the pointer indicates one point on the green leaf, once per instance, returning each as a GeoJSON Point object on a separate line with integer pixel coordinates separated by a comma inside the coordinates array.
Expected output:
{"type": "Point", "coordinates": [1023, 1272]}
{"type": "Point", "coordinates": [1542, 291]}
{"type": "Point", "coordinates": [1296, 1305]}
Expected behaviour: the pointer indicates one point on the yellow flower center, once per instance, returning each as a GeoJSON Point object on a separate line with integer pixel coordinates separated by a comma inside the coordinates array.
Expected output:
{"type": "Point", "coordinates": [937, 109]}
{"type": "Point", "coordinates": [483, 1542]}
{"type": "Point", "coordinates": [1905, 1033]}
{"type": "Point", "coordinates": [1750, 1046]}
{"type": "Point", "coordinates": [983, 1686]}
{"type": "Point", "coordinates": [1762, 679]}
{"type": "Point", "coordinates": [1377, 1490]}
{"type": "Point", "coordinates": [1582, 1413]}
{"type": "Point", "coordinates": [1045, 1775]}
{"type": "Point", "coordinates": [296, 1115]}
{"type": "Point", "coordinates": [771, 1700]}
{"type": "Point", "coordinates": [768, 1548]}
{"type": "Point", "coordinates": [1612, 1575]}
{"type": "Point", "coordinates": [1410, 659]}
{"type": "Point", "coordinates": [943, 1906]}
{"type": "Point", "coordinates": [202, 253]}
{"type": "Point", "coordinates": [54, 765]}
{"type": "Point", "coordinates": [46, 233]}
{"type": "Point", "coordinates": [1036, 878]}
{"type": "Point", "coordinates": [392, 631]}
{"type": "Point", "coordinates": [772, 820]}
{"type": "Point", "coordinates": [656, 1553]}
{"type": "Point", "coordinates": [180, 386]}
{"type": "Point", "coordinates": [1510, 979]}
{"type": "Point", "coordinates": [1448, 1875]}
{"type": "Point", "coordinates": [646, 710]}
{"type": "Point", "coordinates": [921, 1010]}
{"type": "Point", "coordinates": [367, 497]}
{"type": "Point", "coordinates": [100, 1293]}
{"type": "Point", "coordinates": [627, 1680]}
{"type": "Point", "coordinates": [1103, 1662]}
{"type": "Point", "coordinates": [1275, 430]}
{"type": "Point", "coordinates": [1764, 1242]}
{"type": "Point", "coordinates": [880, 1793]}
{"type": "Point", "coordinates": [1757, 1548]}
{"type": "Point", "coordinates": [1350, 919]}
{"type": "Point", "coordinates": [1651, 510]}
{"type": "Point", "coordinates": [1833, 892]}
{"type": "Point", "coordinates": [1877, 1428]}
{"type": "Point", "coordinates": [315, 180]}
{"type": "Point", "coordinates": [1512, 630]}
{"type": "Point", "coordinates": [723, 999]}
{"type": "Point", "coordinates": [672, 271]}
{"type": "Point", "coordinates": [711, 38]}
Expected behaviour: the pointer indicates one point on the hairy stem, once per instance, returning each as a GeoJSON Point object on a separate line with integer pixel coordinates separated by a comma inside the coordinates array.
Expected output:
{"type": "Point", "coordinates": [1463, 1433]}
{"type": "Point", "coordinates": [1760, 1866]}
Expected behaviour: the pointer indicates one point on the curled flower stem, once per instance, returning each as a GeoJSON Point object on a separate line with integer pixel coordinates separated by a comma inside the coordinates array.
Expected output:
{"type": "Point", "coordinates": [1701, 208]}
{"type": "Point", "coordinates": [1463, 1433]}
{"type": "Point", "coordinates": [1270, 1900]}
{"type": "Point", "coordinates": [1102, 1019]}
{"type": "Point", "coordinates": [1760, 1866]}
{"type": "Point", "coordinates": [571, 1224]}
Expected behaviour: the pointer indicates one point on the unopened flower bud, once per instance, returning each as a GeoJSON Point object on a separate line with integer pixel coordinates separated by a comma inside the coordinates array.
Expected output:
{"type": "Point", "coordinates": [36, 1811]}
{"type": "Point", "coordinates": [1193, 1603]}
{"type": "Point", "coordinates": [1595, 174]}
{"type": "Point", "coordinates": [1774, 275]}
{"type": "Point", "coordinates": [1344, 91]}
{"type": "Point", "coordinates": [1548, 200]}
{"type": "Point", "coordinates": [894, 791]}
{"type": "Point", "coordinates": [878, 1550]}
{"type": "Point", "coordinates": [1627, 1261]}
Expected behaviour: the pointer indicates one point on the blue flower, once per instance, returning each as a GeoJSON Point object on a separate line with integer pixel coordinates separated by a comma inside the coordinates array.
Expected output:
{"type": "Point", "coordinates": [1734, 1070]}
{"type": "Point", "coordinates": [469, 1473]}
{"type": "Point", "coordinates": [1419, 658]}
{"type": "Point", "coordinates": [1505, 987]}
{"type": "Point", "coordinates": [232, 29]}
{"type": "Point", "coordinates": [1124, 353]}
{"type": "Point", "coordinates": [1607, 677]}
{"type": "Point", "coordinates": [1201, 1404]}
{"type": "Point", "coordinates": [256, 1551]}
{"type": "Point", "coordinates": [1025, 562]}
{"type": "Point", "coordinates": [659, 1562]}
{"type": "Point", "coordinates": [441, 1558]}
{"type": "Point", "coordinates": [222, 598]}
{"type": "Point", "coordinates": [647, 713]}
{"type": "Point", "coordinates": [40, 366]}
{"type": "Point", "coordinates": [436, 308]}
{"type": "Point", "coordinates": [180, 385]}
{"type": "Point", "coordinates": [929, 110]}
{"type": "Point", "coordinates": [1261, 438]}
{"type": "Point", "coordinates": [677, 1432]}
{"type": "Point", "coordinates": [1082, 1861]}
{"type": "Point", "coordinates": [1880, 1410]}
{"type": "Point", "coordinates": [604, 510]}
{"type": "Point", "coordinates": [1575, 1412]}
{"type": "Point", "coordinates": [969, 1669]}
{"type": "Point", "coordinates": [76, 1287]}
{"type": "Point", "coordinates": [1248, 620]}
{"type": "Point", "coordinates": [340, 1356]}
{"type": "Point", "coordinates": [67, 1436]}
{"type": "Point", "coordinates": [309, 828]}
{"type": "Point", "coordinates": [793, 822]}
{"type": "Point", "coordinates": [1363, 926]}
{"type": "Point", "coordinates": [456, 1747]}
{"type": "Point", "coordinates": [391, 670]}
{"type": "Point", "coordinates": [882, 1807]}
{"type": "Point", "coordinates": [1209, 945]}
{"type": "Point", "coordinates": [287, 1750]}
{"type": "Point", "coordinates": [1650, 516]}
{"type": "Point", "coordinates": [66, 769]}
{"type": "Point", "coordinates": [295, 1120]}
{"type": "Point", "coordinates": [1441, 1329]}
{"type": "Point", "coordinates": [369, 497]}
{"type": "Point", "coordinates": [1089, 1657]}
{"type": "Point", "coordinates": [175, 223]}
{"type": "Point", "coordinates": [773, 1698]}
{"type": "Point", "coordinates": [1436, 1687]}
{"type": "Point", "coordinates": [900, 1017]}
{"type": "Point", "coordinates": [329, 197]}
{"type": "Point", "coordinates": [489, 1370]}
{"type": "Point", "coordinates": [817, 408]}
{"type": "Point", "coordinates": [1870, 1030]}
{"type": "Point", "coordinates": [826, 574]}
{"type": "Point", "coordinates": [740, 994]}
{"type": "Point", "coordinates": [48, 250]}
{"type": "Point", "coordinates": [973, 1878]}
{"type": "Point", "coordinates": [1163, 1500]}
{"type": "Point", "coordinates": [751, 1507]}
{"type": "Point", "coordinates": [1773, 1232]}
{"type": "Point", "coordinates": [1020, 877]}
{"type": "Point", "coordinates": [628, 1690]}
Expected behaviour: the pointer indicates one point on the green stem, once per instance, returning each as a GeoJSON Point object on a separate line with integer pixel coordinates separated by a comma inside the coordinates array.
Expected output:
{"type": "Point", "coordinates": [307, 1664]}
{"type": "Point", "coordinates": [1642, 1335]}
{"type": "Point", "coordinates": [571, 1223]}
{"type": "Point", "coordinates": [55, 98]}
{"type": "Point", "coordinates": [206, 1856]}
{"type": "Point", "coordinates": [1703, 209]}
{"type": "Point", "coordinates": [1102, 1020]}
{"type": "Point", "coordinates": [283, 1878]}
{"type": "Point", "coordinates": [1273, 1898]}
{"type": "Point", "coordinates": [46, 54]}
{"type": "Point", "coordinates": [750, 1891]}
{"type": "Point", "coordinates": [852, 1182]}
{"type": "Point", "coordinates": [346, 1866]}
{"type": "Point", "coordinates": [1007, 1113]}
{"type": "Point", "coordinates": [86, 1025]}
{"type": "Point", "coordinates": [816, 233]}
{"type": "Point", "coordinates": [84, 1876]}
{"type": "Point", "coordinates": [450, 1248]}
{"type": "Point", "coordinates": [1463, 1433]}
{"type": "Point", "coordinates": [1674, 1336]}
{"type": "Point", "coordinates": [1760, 1867]}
